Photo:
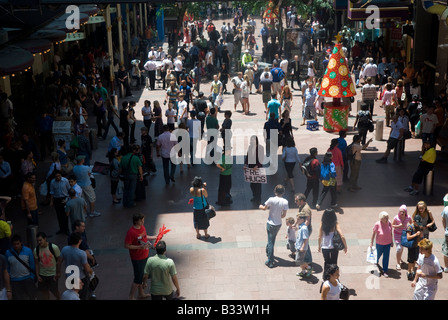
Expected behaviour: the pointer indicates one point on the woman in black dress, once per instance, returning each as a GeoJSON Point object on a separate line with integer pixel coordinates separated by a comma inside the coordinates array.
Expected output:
{"type": "Point", "coordinates": [224, 75]}
{"type": "Point", "coordinates": [157, 118]}
{"type": "Point", "coordinates": [124, 122]}
{"type": "Point", "coordinates": [200, 220]}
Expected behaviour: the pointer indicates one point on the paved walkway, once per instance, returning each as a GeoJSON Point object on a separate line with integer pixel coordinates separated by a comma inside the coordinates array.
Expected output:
{"type": "Point", "coordinates": [230, 264]}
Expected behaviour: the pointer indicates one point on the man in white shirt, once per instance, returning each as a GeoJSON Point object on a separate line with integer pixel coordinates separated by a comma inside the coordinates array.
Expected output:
{"type": "Point", "coordinates": [178, 66]}
{"type": "Point", "coordinates": [151, 67]}
{"type": "Point", "coordinates": [237, 81]}
{"type": "Point", "coordinates": [160, 55]}
{"type": "Point", "coordinates": [278, 206]}
{"type": "Point", "coordinates": [182, 109]}
{"type": "Point", "coordinates": [396, 133]}
{"type": "Point", "coordinates": [370, 70]}
{"type": "Point", "coordinates": [165, 142]}
{"type": "Point", "coordinates": [152, 54]}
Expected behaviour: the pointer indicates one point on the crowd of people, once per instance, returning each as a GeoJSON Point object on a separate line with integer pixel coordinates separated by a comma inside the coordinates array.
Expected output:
{"type": "Point", "coordinates": [228, 60]}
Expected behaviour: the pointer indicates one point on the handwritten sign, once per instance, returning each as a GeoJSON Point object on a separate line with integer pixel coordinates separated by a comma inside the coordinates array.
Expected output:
{"type": "Point", "coordinates": [253, 175]}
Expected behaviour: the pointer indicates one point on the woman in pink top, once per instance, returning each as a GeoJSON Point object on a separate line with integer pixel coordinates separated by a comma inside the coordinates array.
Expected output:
{"type": "Point", "coordinates": [399, 224]}
{"type": "Point", "coordinates": [389, 102]}
{"type": "Point", "coordinates": [338, 161]}
{"type": "Point", "coordinates": [382, 231]}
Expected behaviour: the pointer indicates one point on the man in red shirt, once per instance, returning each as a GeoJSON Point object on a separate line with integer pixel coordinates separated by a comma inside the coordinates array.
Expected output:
{"type": "Point", "coordinates": [137, 241]}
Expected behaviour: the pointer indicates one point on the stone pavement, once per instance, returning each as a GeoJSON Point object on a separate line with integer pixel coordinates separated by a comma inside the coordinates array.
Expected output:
{"type": "Point", "coordinates": [230, 264]}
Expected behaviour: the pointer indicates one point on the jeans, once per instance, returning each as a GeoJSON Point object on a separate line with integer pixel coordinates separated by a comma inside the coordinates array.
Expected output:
{"type": "Point", "coordinates": [330, 257]}
{"type": "Point", "coordinates": [110, 122]}
{"type": "Point", "coordinates": [324, 192]}
{"type": "Point", "coordinates": [383, 250]}
{"type": "Point", "coordinates": [272, 231]}
{"type": "Point", "coordinates": [130, 185]}
{"type": "Point", "coordinates": [167, 173]}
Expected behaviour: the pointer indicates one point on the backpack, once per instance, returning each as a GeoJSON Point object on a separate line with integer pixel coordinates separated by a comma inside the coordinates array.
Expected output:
{"type": "Point", "coordinates": [281, 74]}
{"type": "Point", "coordinates": [50, 247]}
{"type": "Point", "coordinates": [349, 152]}
{"type": "Point", "coordinates": [307, 169]}
{"type": "Point", "coordinates": [363, 117]}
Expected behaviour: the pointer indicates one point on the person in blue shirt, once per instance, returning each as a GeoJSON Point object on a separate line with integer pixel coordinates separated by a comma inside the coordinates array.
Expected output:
{"type": "Point", "coordinates": [21, 274]}
{"type": "Point", "coordinates": [116, 142]}
{"type": "Point", "coordinates": [277, 77]}
{"type": "Point", "coordinates": [59, 193]}
{"type": "Point", "coordinates": [82, 173]}
{"type": "Point", "coordinates": [328, 179]}
{"type": "Point", "coordinates": [273, 106]}
{"type": "Point", "coordinates": [264, 32]}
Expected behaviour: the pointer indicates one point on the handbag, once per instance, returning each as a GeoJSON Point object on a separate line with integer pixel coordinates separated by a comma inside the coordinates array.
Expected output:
{"type": "Point", "coordinates": [43, 190]}
{"type": "Point", "coordinates": [433, 227]}
{"type": "Point", "coordinates": [93, 282]}
{"type": "Point", "coordinates": [344, 292]}
{"type": "Point", "coordinates": [404, 240]}
{"type": "Point", "coordinates": [208, 209]}
{"type": "Point", "coordinates": [337, 241]}
{"type": "Point", "coordinates": [371, 255]}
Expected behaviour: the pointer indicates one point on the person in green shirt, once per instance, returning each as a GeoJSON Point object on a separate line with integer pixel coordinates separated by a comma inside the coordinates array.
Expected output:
{"type": "Point", "coordinates": [211, 123]}
{"type": "Point", "coordinates": [225, 179]}
{"type": "Point", "coordinates": [245, 59]}
{"type": "Point", "coordinates": [131, 167]}
{"type": "Point", "coordinates": [162, 272]}
{"type": "Point", "coordinates": [103, 91]}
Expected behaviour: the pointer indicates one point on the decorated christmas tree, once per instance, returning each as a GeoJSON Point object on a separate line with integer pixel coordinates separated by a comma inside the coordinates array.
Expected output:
{"type": "Point", "coordinates": [337, 83]}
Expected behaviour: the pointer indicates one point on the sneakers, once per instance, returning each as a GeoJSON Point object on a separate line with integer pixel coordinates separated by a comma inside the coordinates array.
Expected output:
{"type": "Point", "coordinates": [408, 189]}
{"type": "Point", "coordinates": [445, 270]}
{"type": "Point", "coordinates": [305, 273]}
{"type": "Point", "coordinates": [413, 193]}
{"type": "Point", "coordinates": [381, 160]}
{"type": "Point", "coordinates": [334, 205]}
{"type": "Point", "coordinates": [94, 214]}
{"type": "Point", "coordinates": [411, 276]}
{"type": "Point", "coordinates": [398, 267]}
{"type": "Point", "coordinates": [317, 207]}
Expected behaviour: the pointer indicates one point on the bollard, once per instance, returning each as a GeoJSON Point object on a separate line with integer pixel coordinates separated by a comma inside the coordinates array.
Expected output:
{"type": "Point", "coordinates": [379, 130]}
{"type": "Point", "coordinates": [398, 151]}
{"type": "Point", "coordinates": [428, 184]}
{"type": "Point", "coordinates": [31, 232]}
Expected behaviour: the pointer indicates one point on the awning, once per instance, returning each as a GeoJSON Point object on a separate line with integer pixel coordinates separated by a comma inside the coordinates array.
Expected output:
{"type": "Point", "coordinates": [34, 45]}
{"type": "Point", "coordinates": [14, 59]}
{"type": "Point", "coordinates": [389, 9]}
{"type": "Point", "coordinates": [89, 9]}
{"type": "Point", "coordinates": [60, 23]}
{"type": "Point", "coordinates": [52, 35]}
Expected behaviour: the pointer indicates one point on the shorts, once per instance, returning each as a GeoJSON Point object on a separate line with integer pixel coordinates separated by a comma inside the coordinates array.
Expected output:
{"type": "Point", "coordinates": [139, 269]}
{"type": "Point", "coordinates": [289, 166]}
{"type": "Point", "coordinates": [47, 284]}
{"type": "Point", "coordinates": [89, 193]}
{"type": "Point", "coordinates": [300, 258]}
{"type": "Point", "coordinates": [267, 95]}
{"type": "Point", "coordinates": [237, 96]}
{"type": "Point", "coordinates": [445, 247]}
{"type": "Point", "coordinates": [392, 143]}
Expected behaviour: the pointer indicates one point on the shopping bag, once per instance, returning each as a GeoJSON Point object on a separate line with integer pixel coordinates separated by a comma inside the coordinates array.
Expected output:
{"type": "Point", "coordinates": [43, 189]}
{"type": "Point", "coordinates": [371, 255]}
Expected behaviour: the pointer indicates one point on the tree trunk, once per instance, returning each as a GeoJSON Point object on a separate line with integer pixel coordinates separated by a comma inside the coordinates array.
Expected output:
{"type": "Point", "coordinates": [179, 26]}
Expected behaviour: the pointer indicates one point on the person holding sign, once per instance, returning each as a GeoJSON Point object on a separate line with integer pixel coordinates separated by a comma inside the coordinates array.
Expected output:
{"type": "Point", "coordinates": [253, 160]}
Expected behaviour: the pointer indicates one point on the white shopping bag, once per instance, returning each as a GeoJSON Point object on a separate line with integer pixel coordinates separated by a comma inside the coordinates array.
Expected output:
{"type": "Point", "coordinates": [371, 255]}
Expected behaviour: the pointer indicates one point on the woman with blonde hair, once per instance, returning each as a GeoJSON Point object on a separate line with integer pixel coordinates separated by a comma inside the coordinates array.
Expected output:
{"type": "Point", "coordinates": [286, 99]}
{"type": "Point", "coordinates": [424, 216]}
{"type": "Point", "coordinates": [245, 90]}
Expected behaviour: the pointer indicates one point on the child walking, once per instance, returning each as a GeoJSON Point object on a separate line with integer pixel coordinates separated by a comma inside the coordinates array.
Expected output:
{"type": "Point", "coordinates": [291, 236]}
{"type": "Point", "coordinates": [302, 247]}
